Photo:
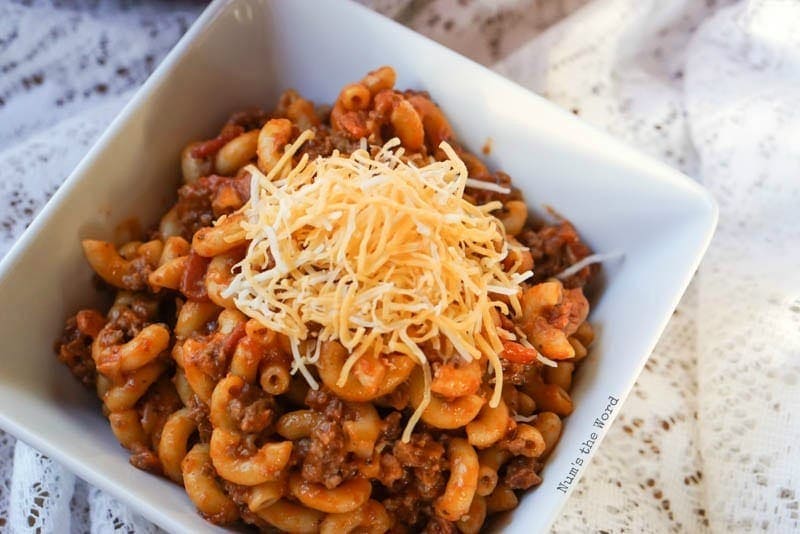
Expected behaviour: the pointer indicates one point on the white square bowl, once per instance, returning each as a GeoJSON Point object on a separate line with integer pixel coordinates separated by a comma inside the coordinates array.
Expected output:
{"type": "Point", "coordinates": [243, 52]}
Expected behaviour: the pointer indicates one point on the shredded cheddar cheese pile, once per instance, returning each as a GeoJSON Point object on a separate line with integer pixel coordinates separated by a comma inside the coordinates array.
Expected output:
{"type": "Point", "coordinates": [378, 254]}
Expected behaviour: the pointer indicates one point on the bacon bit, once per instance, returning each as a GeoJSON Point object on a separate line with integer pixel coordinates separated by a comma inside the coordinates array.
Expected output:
{"type": "Point", "coordinates": [193, 281]}
{"type": "Point", "coordinates": [516, 353]}
{"type": "Point", "coordinates": [212, 146]}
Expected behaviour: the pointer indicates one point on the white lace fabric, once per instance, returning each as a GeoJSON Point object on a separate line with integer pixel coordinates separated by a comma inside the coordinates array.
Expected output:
{"type": "Point", "coordinates": [707, 440]}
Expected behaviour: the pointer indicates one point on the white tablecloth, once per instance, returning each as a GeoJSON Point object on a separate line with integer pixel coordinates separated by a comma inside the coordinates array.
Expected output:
{"type": "Point", "coordinates": [708, 440]}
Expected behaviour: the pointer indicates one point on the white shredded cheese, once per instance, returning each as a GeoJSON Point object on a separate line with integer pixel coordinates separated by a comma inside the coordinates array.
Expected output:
{"type": "Point", "coordinates": [488, 186]}
{"type": "Point", "coordinates": [545, 360]}
{"type": "Point", "coordinates": [377, 253]}
{"type": "Point", "coordinates": [588, 260]}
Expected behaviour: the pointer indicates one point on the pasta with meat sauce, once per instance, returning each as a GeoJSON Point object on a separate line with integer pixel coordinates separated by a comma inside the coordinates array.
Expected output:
{"type": "Point", "coordinates": [279, 401]}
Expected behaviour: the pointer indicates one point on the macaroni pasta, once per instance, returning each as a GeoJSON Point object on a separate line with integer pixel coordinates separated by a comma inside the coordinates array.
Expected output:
{"type": "Point", "coordinates": [302, 434]}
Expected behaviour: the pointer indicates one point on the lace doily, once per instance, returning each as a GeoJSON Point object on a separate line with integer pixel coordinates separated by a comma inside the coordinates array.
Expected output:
{"type": "Point", "coordinates": [707, 439]}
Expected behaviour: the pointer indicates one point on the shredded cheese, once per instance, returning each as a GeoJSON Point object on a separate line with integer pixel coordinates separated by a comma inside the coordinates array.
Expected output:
{"type": "Point", "coordinates": [488, 186]}
{"type": "Point", "coordinates": [377, 253]}
{"type": "Point", "coordinates": [588, 260]}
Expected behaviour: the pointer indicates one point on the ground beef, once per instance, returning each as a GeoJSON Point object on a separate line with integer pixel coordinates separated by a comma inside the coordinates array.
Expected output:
{"type": "Point", "coordinates": [326, 141]}
{"type": "Point", "coordinates": [215, 352]}
{"type": "Point", "coordinates": [325, 459]}
{"type": "Point", "coordinates": [554, 248]}
{"type": "Point", "coordinates": [250, 119]}
{"type": "Point", "coordinates": [122, 330]}
{"type": "Point", "coordinates": [155, 407]}
{"type": "Point", "coordinates": [135, 278]}
{"type": "Point", "coordinates": [391, 429]}
{"type": "Point", "coordinates": [144, 306]}
{"type": "Point", "coordinates": [252, 410]}
{"type": "Point", "coordinates": [240, 495]}
{"type": "Point", "coordinates": [195, 208]}
{"type": "Point", "coordinates": [408, 508]}
{"type": "Point", "coordinates": [74, 348]}
{"type": "Point", "coordinates": [252, 518]}
{"type": "Point", "coordinates": [325, 402]}
{"type": "Point", "coordinates": [126, 321]}
{"type": "Point", "coordinates": [145, 459]}
{"type": "Point", "coordinates": [397, 399]}
{"type": "Point", "coordinates": [522, 473]}
{"type": "Point", "coordinates": [391, 470]}
{"type": "Point", "coordinates": [422, 450]}
{"type": "Point", "coordinates": [132, 316]}
{"type": "Point", "coordinates": [424, 455]}
{"type": "Point", "coordinates": [160, 401]}
{"type": "Point", "coordinates": [199, 412]}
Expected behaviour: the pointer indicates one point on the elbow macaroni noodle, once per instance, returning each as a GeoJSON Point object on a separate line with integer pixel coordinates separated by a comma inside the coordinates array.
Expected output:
{"type": "Point", "coordinates": [211, 399]}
